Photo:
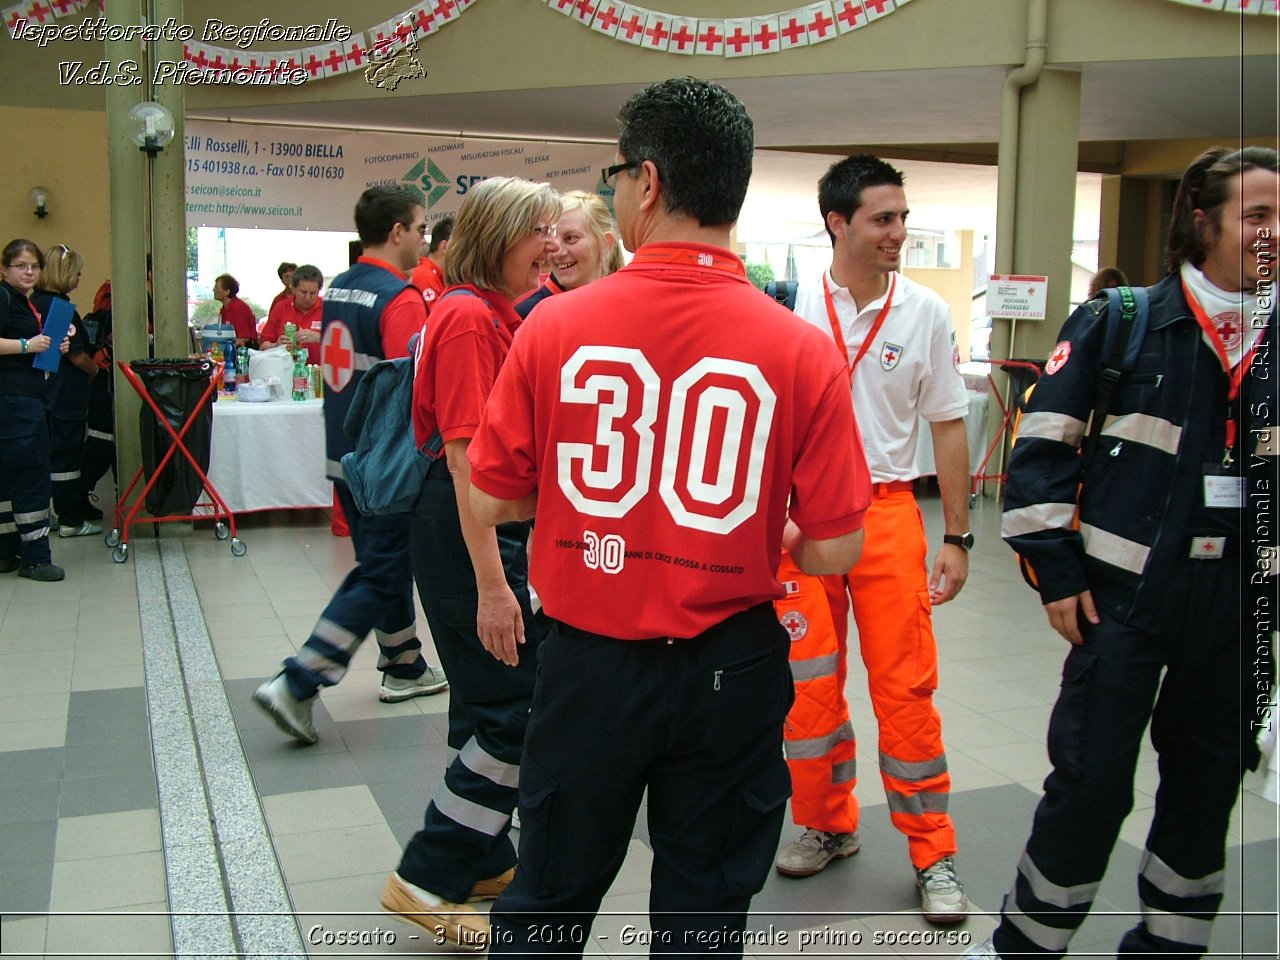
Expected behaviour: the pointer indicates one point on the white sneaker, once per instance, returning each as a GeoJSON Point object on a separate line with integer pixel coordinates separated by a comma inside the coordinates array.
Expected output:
{"type": "Point", "coordinates": [812, 852]}
{"type": "Point", "coordinates": [291, 715]}
{"type": "Point", "coordinates": [986, 950]}
{"type": "Point", "coordinates": [393, 689]}
{"type": "Point", "coordinates": [85, 529]}
{"type": "Point", "coordinates": [942, 897]}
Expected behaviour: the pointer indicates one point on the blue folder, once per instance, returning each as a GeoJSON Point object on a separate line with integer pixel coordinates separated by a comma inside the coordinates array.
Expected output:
{"type": "Point", "coordinates": [57, 321]}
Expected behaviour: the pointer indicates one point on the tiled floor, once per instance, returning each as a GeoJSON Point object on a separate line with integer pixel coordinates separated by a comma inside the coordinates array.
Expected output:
{"type": "Point", "coordinates": [143, 799]}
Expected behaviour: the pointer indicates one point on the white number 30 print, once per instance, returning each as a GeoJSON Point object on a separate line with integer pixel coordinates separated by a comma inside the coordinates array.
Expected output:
{"type": "Point", "coordinates": [720, 414]}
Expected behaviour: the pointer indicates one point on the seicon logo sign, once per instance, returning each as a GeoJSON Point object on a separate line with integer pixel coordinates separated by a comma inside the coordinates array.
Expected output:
{"type": "Point", "coordinates": [427, 182]}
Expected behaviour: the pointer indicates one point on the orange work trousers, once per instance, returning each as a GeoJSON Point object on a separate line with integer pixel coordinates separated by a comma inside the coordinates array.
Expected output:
{"type": "Point", "coordinates": [890, 596]}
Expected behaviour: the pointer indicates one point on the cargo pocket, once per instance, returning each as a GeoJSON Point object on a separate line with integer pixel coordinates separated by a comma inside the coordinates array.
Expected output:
{"type": "Point", "coordinates": [539, 846]}
{"type": "Point", "coordinates": [1069, 723]}
{"type": "Point", "coordinates": [924, 665]}
{"type": "Point", "coordinates": [753, 834]}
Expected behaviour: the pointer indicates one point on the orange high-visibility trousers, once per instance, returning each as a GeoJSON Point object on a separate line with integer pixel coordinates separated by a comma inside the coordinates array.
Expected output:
{"type": "Point", "coordinates": [890, 594]}
{"type": "Point", "coordinates": [818, 736]}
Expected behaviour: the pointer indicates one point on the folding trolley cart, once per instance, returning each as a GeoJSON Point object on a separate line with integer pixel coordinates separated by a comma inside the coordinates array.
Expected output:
{"type": "Point", "coordinates": [187, 375]}
{"type": "Point", "coordinates": [1022, 374]}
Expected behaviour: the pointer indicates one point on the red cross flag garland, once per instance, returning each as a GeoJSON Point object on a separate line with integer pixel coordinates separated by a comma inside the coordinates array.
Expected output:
{"type": "Point", "coordinates": [640, 26]}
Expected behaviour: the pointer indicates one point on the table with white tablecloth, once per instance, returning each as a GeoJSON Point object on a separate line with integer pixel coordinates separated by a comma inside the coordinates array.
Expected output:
{"type": "Point", "coordinates": [269, 456]}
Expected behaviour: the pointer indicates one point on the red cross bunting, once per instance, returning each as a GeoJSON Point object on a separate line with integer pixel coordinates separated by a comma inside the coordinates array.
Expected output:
{"type": "Point", "coordinates": [738, 40]}
{"type": "Point", "coordinates": [879, 5]}
{"type": "Point", "coordinates": [445, 9]}
{"type": "Point", "coordinates": [820, 24]}
{"type": "Point", "coordinates": [766, 37]}
{"type": "Point", "coordinates": [682, 38]}
{"type": "Point", "coordinates": [851, 14]}
{"type": "Point", "coordinates": [337, 355]}
{"type": "Point", "coordinates": [793, 31]}
{"type": "Point", "coordinates": [711, 38]}
{"type": "Point", "coordinates": [584, 10]}
{"type": "Point", "coordinates": [334, 60]}
{"type": "Point", "coordinates": [607, 18]}
{"type": "Point", "coordinates": [657, 34]}
{"type": "Point", "coordinates": [356, 53]}
{"type": "Point", "coordinates": [633, 26]}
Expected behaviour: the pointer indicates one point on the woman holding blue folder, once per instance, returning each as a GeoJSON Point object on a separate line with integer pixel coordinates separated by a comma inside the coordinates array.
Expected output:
{"type": "Point", "coordinates": [24, 437]}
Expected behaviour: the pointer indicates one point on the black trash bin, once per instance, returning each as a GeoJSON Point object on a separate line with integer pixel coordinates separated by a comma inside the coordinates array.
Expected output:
{"type": "Point", "coordinates": [175, 386]}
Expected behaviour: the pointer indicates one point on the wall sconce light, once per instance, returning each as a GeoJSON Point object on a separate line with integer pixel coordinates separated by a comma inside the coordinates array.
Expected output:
{"type": "Point", "coordinates": [150, 127]}
{"type": "Point", "coordinates": [39, 197]}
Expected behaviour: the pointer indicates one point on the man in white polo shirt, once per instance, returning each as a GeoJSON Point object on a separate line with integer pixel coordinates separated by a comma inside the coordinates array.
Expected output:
{"type": "Point", "coordinates": [899, 343]}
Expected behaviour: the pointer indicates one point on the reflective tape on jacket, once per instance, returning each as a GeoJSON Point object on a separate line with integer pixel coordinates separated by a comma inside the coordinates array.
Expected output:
{"type": "Point", "coordinates": [1113, 549]}
{"type": "Point", "coordinates": [1142, 428]}
{"type": "Point", "coordinates": [1046, 425]}
{"type": "Point", "coordinates": [815, 667]}
{"type": "Point", "coordinates": [1037, 517]}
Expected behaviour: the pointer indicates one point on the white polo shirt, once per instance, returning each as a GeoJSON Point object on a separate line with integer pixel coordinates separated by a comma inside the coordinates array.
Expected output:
{"type": "Point", "coordinates": [911, 371]}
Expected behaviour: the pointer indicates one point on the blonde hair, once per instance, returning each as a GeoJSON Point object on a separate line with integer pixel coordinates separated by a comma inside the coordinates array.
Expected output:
{"type": "Point", "coordinates": [495, 215]}
{"type": "Point", "coordinates": [61, 266]}
{"type": "Point", "coordinates": [601, 223]}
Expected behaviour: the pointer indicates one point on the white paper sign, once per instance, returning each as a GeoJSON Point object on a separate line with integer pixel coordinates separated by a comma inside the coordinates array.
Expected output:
{"type": "Point", "coordinates": [1019, 297]}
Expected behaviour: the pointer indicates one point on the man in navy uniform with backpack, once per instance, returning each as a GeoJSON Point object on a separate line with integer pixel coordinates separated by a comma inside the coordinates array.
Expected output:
{"type": "Point", "coordinates": [1157, 573]}
{"type": "Point", "coordinates": [370, 314]}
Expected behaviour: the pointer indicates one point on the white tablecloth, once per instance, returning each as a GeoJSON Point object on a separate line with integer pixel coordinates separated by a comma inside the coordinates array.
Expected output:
{"type": "Point", "coordinates": [269, 456]}
{"type": "Point", "coordinates": [975, 424]}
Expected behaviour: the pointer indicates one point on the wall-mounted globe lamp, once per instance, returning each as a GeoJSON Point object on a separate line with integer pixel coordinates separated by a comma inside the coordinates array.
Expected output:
{"type": "Point", "coordinates": [150, 127]}
{"type": "Point", "coordinates": [39, 197]}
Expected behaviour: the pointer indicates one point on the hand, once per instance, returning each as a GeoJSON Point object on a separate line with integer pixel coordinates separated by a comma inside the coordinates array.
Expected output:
{"type": "Point", "coordinates": [308, 336]}
{"type": "Point", "coordinates": [66, 344]}
{"type": "Point", "coordinates": [950, 571]}
{"type": "Point", "coordinates": [500, 624]}
{"type": "Point", "coordinates": [38, 344]}
{"type": "Point", "coordinates": [1064, 616]}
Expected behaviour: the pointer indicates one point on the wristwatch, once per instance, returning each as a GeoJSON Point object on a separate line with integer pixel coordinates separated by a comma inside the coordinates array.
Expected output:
{"type": "Point", "coordinates": [959, 540]}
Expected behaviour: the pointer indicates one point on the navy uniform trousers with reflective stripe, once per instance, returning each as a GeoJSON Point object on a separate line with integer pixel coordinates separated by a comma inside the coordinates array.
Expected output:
{"type": "Point", "coordinates": [66, 437]}
{"type": "Point", "coordinates": [464, 836]}
{"type": "Point", "coordinates": [24, 479]}
{"type": "Point", "coordinates": [697, 724]}
{"type": "Point", "coordinates": [376, 595]}
{"type": "Point", "coordinates": [1111, 687]}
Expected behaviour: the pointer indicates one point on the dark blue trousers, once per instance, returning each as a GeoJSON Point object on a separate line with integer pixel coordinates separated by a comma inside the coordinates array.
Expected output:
{"type": "Point", "coordinates": [66, 439]}
{"type": "Point", "coordinates": [464, 835]}
{"type": "Point", "coordinates": [24, 479]}
{"type": "Point", "coordinates": [696, 723]}
{"type": "Point", "coordinates": [376, 595]}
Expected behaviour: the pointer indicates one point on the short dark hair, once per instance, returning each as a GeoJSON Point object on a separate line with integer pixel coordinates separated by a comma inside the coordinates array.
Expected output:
{"type": "Point", "coordinates": [840, 189]}
{"type": "Point", "coordinates": [1205, 185]}
{"type": "Point", "coordinates": [379, 209]}
{"type": "Point", "coordinates": [700, 138]}
{"type": "Point", "coordinates": [229, 283]}
{"type": "Point", "coordinates": [1106, 277]}
{"type": "Point", "coordinates": [441, 232]}
{"type": "Point", "coordinates": [285, 267]}
{"type": "Point", "coordinates": [307, 272]}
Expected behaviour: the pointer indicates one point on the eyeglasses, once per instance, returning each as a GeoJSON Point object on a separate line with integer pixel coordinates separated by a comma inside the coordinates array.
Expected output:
{"type": "Point", "coordinates": [546, 231]}
{"type": "Point", "coordinates": [609, 175]}
{"type": "Point", "coordinates": [24, 267]}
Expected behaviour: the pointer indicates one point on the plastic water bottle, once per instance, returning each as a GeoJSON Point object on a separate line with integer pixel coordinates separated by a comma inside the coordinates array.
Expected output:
{"type": "Point", "coordinates": [300, 377]}
{"type": "Point", "coordinates": [242, 364]}
{"type": "Point", "coordinates": [229, 372]}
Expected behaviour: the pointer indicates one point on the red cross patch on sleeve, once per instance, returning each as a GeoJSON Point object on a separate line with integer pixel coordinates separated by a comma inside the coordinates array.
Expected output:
{"type": "Point", "coordinates": [1058, 359]}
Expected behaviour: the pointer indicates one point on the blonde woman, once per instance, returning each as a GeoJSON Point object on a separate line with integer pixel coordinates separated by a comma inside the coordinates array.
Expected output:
{"type": "Point", "coordinates": [473, 580]}
{"type": "Point", "coordinates": [68, 397]}
{"type": "Point", "coordinates": [588, 248]}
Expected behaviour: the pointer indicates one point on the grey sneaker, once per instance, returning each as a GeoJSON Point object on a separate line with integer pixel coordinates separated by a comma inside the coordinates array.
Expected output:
{"type": "Point", "coordinates": [291, 715]}
{"type": "Point", "coordinates": [986, 950]}
{"type": "Point", "coordinates": [85, 529]}
{"type": "Point", "coordinates": [814, 850]}
{"type": "Point", "coordinates": [942, 899]}
{"type": "Point", "coordinates": [393, 689]}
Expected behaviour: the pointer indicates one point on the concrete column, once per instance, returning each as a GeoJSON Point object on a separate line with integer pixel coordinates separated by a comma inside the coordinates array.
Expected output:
{"type": "Point", "coordinates": [169, 205]}
{"type": "Point", "coordinates": [1048, 144]}
{"type": "Point", "coordinates": [127, 176]}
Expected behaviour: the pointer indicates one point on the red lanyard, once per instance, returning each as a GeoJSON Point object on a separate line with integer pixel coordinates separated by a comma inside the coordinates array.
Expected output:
{"type": "Point", "coordinates": [686, 256]}
{"type": "Point", "coordinates": [876, 324]}
{"type": "Point", "coordinates": [1234, 376]}
{"type": "Point", "coordinates": [39, 318]}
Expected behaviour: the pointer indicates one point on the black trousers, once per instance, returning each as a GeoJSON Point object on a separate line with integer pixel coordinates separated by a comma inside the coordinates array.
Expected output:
{"type": "Point", "coordinates": [1112, 686]}
{"type": "Point", "coordinates": [466, 826]}
{"type": "Point", "coordinates": [25, 486]}
{"type": "Point", "coordinates": [66, 438]}
{"type": "Point", "coordinates": [698, 724]}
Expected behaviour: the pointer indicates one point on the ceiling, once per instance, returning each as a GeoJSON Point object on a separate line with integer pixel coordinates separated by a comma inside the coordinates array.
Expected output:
{"type": "Point", "coordinates": [805, 119]}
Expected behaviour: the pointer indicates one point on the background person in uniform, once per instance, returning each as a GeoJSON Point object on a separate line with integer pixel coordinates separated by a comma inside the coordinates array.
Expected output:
{"type": "Point", "coordinates": [69, 397]}
{"type": "Point", "coordinates": [25, 487]}
{"type": "Point", "coordinates": [235, 312]}
{"type": "Point", "coordinates": [370, 313]}
{"type": "Point", "coordinates": [1155, 577]}
{"type": "Point", "coordinates": [428, 275]}
{"type": "Point", "coordinates": [658, 420]}
{"type": "Point", "coordinates": [899, 342]}
{"type": "Point", "coordinates": [473, 584]}
{"type": "Point", "coordinates": [305, 309]}
{"type": "Point", "coordinates": [1106, 277]}
{"type": "Point", "coordinates": [285, 273]}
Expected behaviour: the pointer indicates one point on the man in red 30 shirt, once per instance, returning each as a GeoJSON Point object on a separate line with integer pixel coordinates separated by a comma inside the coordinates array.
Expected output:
{"type": "Point", "coordinates": [304, 309]}
{"type": "Point", "coordinates": [659, 450]}
{"type": "Point", "coordinates": [428, 275]}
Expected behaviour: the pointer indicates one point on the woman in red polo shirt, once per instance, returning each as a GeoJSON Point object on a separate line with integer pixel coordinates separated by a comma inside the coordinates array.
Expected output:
{"type": "Point", "coordinates": [235, 311]}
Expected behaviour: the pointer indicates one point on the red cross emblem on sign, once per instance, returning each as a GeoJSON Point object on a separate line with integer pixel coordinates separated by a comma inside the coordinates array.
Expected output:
{"type": "Point", "coordinates": [1058, 359]}
{"type": "Point", "coordinates": [337, 356]}
{"type": "Point", "coordinates": [1209, 547]}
